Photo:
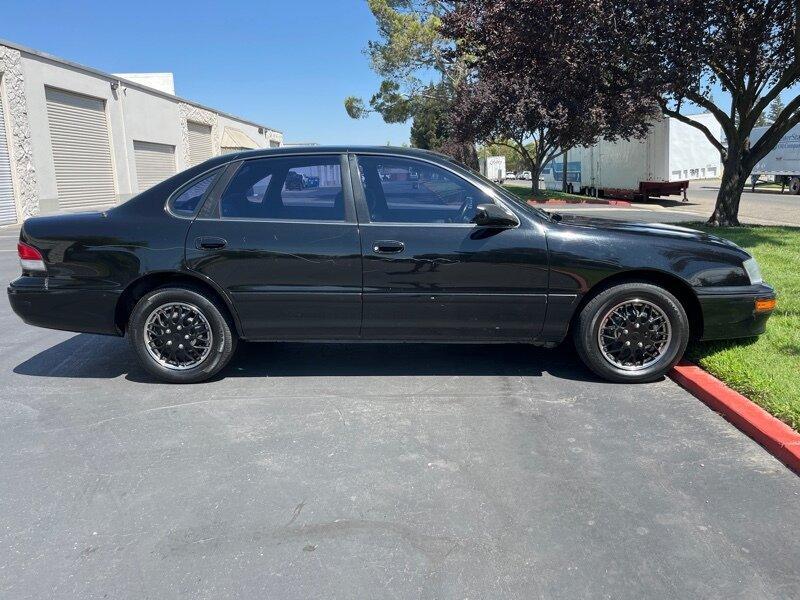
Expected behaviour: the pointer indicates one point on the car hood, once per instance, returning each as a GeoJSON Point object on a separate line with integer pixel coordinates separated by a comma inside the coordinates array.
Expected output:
{"type": "Point", "coordinates": [661, 230]}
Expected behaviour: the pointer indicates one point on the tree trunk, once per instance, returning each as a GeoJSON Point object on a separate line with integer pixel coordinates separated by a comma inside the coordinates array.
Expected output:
{"type": "Point", "coordinates": [564, 173]}
{"type": "Point", "coordinates": [535, 171]}
{"type": "Point", "coordinates": [734, 177]}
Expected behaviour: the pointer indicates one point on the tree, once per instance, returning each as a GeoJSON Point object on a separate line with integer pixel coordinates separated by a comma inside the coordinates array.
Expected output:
{"type": "Point", "coordinates": [531, 78]}
{"type": "Point", "coordinates": [682, 50]}
{"type": "Point", "coordinates": [775, 109]}
{"type": "Point", "coordinates": [419, 73]}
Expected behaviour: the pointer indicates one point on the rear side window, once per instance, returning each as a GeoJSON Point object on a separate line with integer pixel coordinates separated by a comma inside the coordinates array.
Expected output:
{"type": "Point", "coordinates": [187, 200]}
{"type": "Point", "coordinates": [302, 188]}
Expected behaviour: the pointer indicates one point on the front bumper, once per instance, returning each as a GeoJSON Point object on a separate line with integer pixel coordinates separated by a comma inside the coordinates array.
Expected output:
{"type": "Point", "coordinates": [38, 302]}
{"type": "Point", "coordinates": [730, 312]}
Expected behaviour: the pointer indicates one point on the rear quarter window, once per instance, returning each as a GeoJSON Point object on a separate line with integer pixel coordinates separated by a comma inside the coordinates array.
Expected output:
{"type": "Point", "coordinates": [187, 200]}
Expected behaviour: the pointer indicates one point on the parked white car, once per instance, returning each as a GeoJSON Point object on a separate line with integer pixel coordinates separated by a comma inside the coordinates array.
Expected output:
{"type": "Point", "coordinates": [511, 175]}
{"type": "Point", "coordinates": [526, 175]}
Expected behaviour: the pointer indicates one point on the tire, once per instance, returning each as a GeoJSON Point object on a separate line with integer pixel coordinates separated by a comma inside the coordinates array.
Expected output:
{"type": "Point", "coordinates": [218, 344]}
{"type": "Point", "coordinates": [794, 185]}
{"type": "Point", "coordinates": [668, 324]}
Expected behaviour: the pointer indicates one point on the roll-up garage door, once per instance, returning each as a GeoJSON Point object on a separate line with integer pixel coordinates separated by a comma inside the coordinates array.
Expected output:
{"type": "Point", "coordinates": [81, 149]}
{"type": "Point", "coordinates": [8, 213]}
{"type": "Point", "coordinates": [154, 163]}
{"type": "Point", "coordinates": [200, 147]}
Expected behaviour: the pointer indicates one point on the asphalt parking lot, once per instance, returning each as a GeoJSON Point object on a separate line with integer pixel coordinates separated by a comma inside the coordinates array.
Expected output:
{"type": "Point", "coordinates": [347, 471]}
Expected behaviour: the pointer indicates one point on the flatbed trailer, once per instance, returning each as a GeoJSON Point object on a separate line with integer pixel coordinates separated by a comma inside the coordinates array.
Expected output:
{"type": "Point", "coordinates": [646, 190]}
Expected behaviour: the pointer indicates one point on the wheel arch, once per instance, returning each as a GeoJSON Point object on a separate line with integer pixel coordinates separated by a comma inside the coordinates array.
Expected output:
{"type": "Point", "coordinates": [136, 289]}
{"type": "Point", "coordinates": [672, 283]}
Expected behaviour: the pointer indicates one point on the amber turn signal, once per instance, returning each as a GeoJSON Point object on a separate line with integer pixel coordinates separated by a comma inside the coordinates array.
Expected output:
{"type": "Point", "coordinates": [765, 304]}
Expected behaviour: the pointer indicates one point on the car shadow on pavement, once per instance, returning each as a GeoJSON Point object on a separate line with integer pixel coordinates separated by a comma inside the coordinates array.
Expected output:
{"type": "Point", "coordinates": [671, 202]}
{"type": "Point", "coordinates": [87, 356]}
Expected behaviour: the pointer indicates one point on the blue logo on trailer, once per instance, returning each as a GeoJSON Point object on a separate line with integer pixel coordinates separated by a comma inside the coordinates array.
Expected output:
{"type": "Point", "coordinates": [557, 168]}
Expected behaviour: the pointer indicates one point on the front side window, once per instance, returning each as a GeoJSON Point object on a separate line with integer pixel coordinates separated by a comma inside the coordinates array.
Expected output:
{"type": "Point", "coordinates": [186, 202]}
{"type": "Point", "coordinates": [294, 188]}
{"type": "Point", "coordinates": [399, 190]}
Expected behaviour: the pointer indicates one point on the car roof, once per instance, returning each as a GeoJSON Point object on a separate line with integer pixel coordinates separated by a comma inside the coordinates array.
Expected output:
{"type": "Point", "coordinates": [388, 150]}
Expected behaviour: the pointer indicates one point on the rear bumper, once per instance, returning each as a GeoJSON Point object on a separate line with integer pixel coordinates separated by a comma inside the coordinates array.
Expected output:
{"type": "Point", "coordinates": [730, 312]}
{"type": "Point", "coordinates": [67, 308]}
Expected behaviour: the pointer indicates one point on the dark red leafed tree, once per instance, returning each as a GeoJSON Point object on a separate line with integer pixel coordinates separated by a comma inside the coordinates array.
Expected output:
{"type": "Point", "coordinates": [533, 77]}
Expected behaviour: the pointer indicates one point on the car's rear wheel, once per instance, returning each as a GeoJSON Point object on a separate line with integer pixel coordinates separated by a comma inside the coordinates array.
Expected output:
{"type": "Point", "coordinates": [180, 335]}
{"type": "Point", "coordinates": [632, 332]}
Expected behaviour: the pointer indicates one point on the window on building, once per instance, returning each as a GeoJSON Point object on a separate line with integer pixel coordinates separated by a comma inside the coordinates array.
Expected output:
{"type": "Point", "coordinates": [400, 190]}
{"type": "Point", "coordinates": [187, 200]}
{"type": "Point", "coordinates": [293, 188]}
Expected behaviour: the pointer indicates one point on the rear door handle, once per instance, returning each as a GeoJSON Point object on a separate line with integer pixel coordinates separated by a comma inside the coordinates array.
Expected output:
{"type": "Point", "coordinates": [210, 243]}
{"type": "Point", "coordinates": [388, 247]}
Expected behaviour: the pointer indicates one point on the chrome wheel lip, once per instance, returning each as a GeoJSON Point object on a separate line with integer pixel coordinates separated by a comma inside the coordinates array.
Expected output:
{"type": "Point", "coordinates": [192, 311]}
{"type": "Point", "coordinates": [661, 346]}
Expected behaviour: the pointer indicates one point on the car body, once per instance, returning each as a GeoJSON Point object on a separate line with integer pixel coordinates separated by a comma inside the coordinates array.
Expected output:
{"type": "Point", "coordinates": [526, 176]}
{"type": "Point", "coordinates": [391, 245]}
{"type": "Point", "coordinates": [511, 175]}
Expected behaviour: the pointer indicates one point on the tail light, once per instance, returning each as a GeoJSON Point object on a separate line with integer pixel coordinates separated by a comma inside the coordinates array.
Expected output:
{"type": "Point", "coordinates": [30, 259]}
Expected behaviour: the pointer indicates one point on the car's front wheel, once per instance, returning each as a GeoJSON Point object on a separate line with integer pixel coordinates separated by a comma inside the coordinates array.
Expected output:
{"type": "Point", "coordinates": [632, 332]}
{"type": "Point", "coordinates": [180, 335]}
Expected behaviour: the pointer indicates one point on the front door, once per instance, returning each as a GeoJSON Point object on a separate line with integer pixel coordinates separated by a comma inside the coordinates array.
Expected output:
{"type": "Point", "coordinates": [282, 240]}
{"type": "Point", "coordinates": [429, 272]}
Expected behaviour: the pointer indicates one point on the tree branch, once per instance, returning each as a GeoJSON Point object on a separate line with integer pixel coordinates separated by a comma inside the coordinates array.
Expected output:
{"type": "Point", "coordinates": [777, 130]}
{"type": "Point", "coordinates": [785, 81]}
{"type": "Point", "coordinates": [697, 125]}
{"type": "Point", "coordinates": [724, 120]}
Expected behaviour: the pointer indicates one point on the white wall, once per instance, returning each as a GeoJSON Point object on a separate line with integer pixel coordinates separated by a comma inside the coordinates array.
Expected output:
{"type": "Point", "coordinates": [164, 82]}
{"type": "Point", "coordinates": [132, 113]}
{"type": "Point", "coordinates": [40, 72]}
{"type": "Point", "coordinates": [148, 118]}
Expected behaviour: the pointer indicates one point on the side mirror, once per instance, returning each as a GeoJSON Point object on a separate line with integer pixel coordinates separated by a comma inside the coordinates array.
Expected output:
{"type": "Point", "coordinates": [492, 215]}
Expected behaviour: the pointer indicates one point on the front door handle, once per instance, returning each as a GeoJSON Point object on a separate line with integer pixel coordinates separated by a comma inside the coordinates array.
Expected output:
{"type": "Point", "coordinates": [210, 243]}
{"type": "Point", "coordinates": [388, 247]}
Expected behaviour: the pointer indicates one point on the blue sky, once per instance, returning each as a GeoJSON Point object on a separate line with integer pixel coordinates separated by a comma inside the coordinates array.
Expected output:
{"type": "Point", "coordinates": [288, 65]}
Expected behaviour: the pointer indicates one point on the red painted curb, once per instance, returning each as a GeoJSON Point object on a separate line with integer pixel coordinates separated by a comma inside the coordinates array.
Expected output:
{"type": "Point", "coordinates": [777, 437]}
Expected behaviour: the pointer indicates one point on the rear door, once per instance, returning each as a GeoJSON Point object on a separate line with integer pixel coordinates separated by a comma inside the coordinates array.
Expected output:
{"type": "Point", "coordinates": [154, 163]}
{"type": "Point", "coordinates": [81, 148]}
{"type": "Point", "coordinates": [432, 274]}
{"type": "Point", "coordinates": [281, 237]}
{"type": "Point", "coordinates": [201, 147]}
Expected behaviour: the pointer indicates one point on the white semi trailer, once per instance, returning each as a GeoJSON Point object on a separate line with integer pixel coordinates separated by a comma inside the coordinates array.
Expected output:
{"type": "Point", "coordinates": [494, 168]}
{"type": "Point", "coordinates": [783, 162]}
{"type": "Point", "coordinates": [661, 164]}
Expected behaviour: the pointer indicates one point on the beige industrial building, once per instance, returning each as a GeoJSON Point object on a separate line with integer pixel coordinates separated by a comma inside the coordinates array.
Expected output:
{"type": "Point", "coordinates": [73, 137]}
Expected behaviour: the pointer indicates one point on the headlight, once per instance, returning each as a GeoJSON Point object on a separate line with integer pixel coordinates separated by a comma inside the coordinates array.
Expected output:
{"type": "Point", "coordinates": [753, 272]}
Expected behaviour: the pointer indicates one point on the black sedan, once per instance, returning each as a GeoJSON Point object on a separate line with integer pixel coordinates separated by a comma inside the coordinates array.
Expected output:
{"type": "Point", "coordinates": [391, 245]}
